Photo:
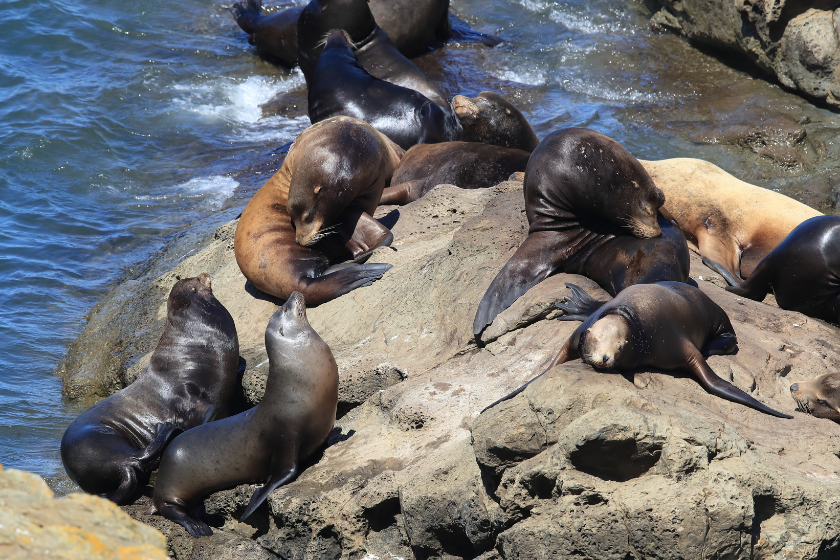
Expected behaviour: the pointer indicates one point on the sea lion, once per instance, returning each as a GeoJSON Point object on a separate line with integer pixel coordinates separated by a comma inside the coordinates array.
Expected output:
{"type": "Point", "coordinates": [371, 46]}
{"type": "Point", "coordinates": [819, 397]}
{"type": "Point", "coordinates": [266, 443]}
{"type": "Point", "coordinates": [340, 86]}
{"type": "Point", "coordinates": [316, 211]}
{"type": "Point", "coordinates": [411, 25]}
{"type": "Point", "coordinates": [492, 119]}
{"type": "Point", "coordinates": [468, 165]}
{"type": "Point", "coordinates": [802, 271]}
{"type": "Point", "coordinates": [667, 325]}
{"type": "Point", "coordinates": [115, 445]}
{"type": "Point", "coordinates": [592, 210]}
{"type": "Point", "coordinates": [730, 223]}
{"type": "Point", "coordinates": [274, 35]}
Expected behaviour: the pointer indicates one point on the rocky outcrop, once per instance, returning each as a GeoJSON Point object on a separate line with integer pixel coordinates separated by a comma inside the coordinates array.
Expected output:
{"type": "Point", "coordinates": [582, 464]}
{"type": "Point", "coordinates": [34, 524]}
{"type": "Point", "coordinates": [798, 41]}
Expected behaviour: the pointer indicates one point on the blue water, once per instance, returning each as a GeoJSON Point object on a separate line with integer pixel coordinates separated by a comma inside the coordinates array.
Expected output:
{"type": "Point", "coordinates": [123, 123]}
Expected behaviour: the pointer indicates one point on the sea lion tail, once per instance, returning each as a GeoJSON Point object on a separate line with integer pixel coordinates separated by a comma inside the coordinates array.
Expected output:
{"type": "Point", "coordinates": [579, 306]}
{"type": "Point", "coordinates": [247, 13]}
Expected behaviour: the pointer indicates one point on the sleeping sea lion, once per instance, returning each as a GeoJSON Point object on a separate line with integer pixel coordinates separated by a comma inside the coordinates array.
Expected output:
{"type": "Point", "coordinates": [340, 86]}
{"type": "Point", "coordinates": [802, 271]}
{"type": "Point", "coordinates": [492, 119]}
{"type": "Point", "coordinates": [316, 212]}
{"type": "Point", "coordinates": [266, 443]}
{"type": "Point", "coordinates": [592, 210]}
{"type": "Point", "coordinates": [819, 397]}
{"type": "Point", "coordinates": [371, 46]}
{"type": "Point", "coordinates": [667, 325]}
{"type": "Point", "coordinates": [730, 223]}
{"type": "Point", "coordinates": [468, 165]}
{"type": "Point", "coordinates": [411, 25]}
{"type": "Point", "coordinates": [113, 447]}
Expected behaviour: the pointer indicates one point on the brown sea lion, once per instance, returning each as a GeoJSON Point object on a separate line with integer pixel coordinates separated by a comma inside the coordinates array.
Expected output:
{"type": "Point", "coordinates": [316, 211]}
{"type": "Point", "coordinates": [819, 397]}
{"type": "Point", "coordinates": [113, 447]}
{"type": "Point", "coordinates": [592, 210]}
{"type": "Point", "coordinates": [667, 325]}
{"type": "Point", "coordinates": [730, 223]}
{"type": "Point", "coordinates": [468, 165]}
{"type": "Point", "coordinates": [265, 444]}
{"type": "Point", "coordinates": [371, 46]}
{"type": "Point", "coordinates": [340, 86]}
{"type": "Point", "coordinates": [803, 271]}
{"type": "Point", "coordinates": [411, 25]}
{"type": "Point", "coordinates": [492, 119]}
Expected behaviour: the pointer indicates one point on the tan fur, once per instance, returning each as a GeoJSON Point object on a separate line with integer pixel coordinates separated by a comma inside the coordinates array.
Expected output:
{"type": "Point", "coordinates": [820, 396]}
{"type": "Point", "coordinates": [723, 218]}
{"type": "Point", "coordinates": [604, 341]}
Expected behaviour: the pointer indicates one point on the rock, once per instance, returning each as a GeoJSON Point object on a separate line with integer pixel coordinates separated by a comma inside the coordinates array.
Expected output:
{"type": "Point", "coordinates": [797, 42]}
{"type": "Point", "coordinates": [584, 464]}
{"type": "Point", "coordinates": [34, 524]}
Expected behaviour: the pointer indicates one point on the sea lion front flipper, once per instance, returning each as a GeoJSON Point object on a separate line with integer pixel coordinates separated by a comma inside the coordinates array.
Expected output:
{"type": "Point", "coordinates": [195, 527]}
{"type": "Point", "coordinates": [719, 387]}
{"type": "Point", "coordinates": [398, 194]}
{"type": "Point", "coordinates": [727, 275]}
{"type": "Point", "coordinates": [757, 286]}
{"type": "Point", "coordinates": [723, 344]}
{"type": "Point", "coordinates": [537, 258]}
{"type": "Point", "coordinates": [330, 286]}
{"type": "Point", "coordinates": [462, 34]}
{"type": "Point", "coordinates": [579, 306]}
{"type": "Point", "coordinates": [165, 432]}
{"type": "Point", "coordinates": [354, 236]}
{"type": "Point", "coordinates": [275, 481]}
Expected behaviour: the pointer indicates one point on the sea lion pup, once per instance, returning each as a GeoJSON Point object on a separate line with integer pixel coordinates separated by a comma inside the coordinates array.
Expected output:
{"type": "Point", "coordinates": [266, 443]}
{"type": "Point", "coordinates": [371, 46]}
{"type": "Point", "coordinates": [316, 212]}
{"type": "Point", "coordinates": [113, 447]}
{"type": "Point", "coordinates": [592, 210]}
{"type": "Point", "coordinates": [340, 86]}
{"type": "Point", "coordinates": [730, 223]}
{"type": "Point", "coordinates": [468, 165]}
{"type": "Point", "coordinates": [802, 271]}
{"type": "Point", "coordinates": [819, 397]}
{"type": "Point", "coordinates": [492, 119]}
{"type": "Point", "coordinates": [411, 24]}
{"type": "Point", "coordinates": [667, 325]}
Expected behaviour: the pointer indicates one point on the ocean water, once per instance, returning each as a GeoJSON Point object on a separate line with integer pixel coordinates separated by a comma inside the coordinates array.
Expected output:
{"type": "Point", "coordinates": [122, 124]}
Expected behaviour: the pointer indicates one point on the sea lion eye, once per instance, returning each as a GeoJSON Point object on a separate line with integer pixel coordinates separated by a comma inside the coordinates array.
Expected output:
{"type": "Point", "coordinates": [822, 402]}
{"type": "Point", "coordinates": [193, 290]}
{"type": "Point", "coordinates": [281, 330]}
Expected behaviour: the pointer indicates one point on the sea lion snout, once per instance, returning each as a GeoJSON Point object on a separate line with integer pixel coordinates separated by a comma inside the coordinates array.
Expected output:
{"type": "Point", "coordinates": [205, 279]}
{"type": "Point", "coordinates": [794, 388]}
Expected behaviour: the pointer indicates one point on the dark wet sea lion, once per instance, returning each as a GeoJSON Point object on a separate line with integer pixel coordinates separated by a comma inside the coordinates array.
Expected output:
{"type": "Point", "coordinates": [340, 86]}
{"type": "Point", "coordinates": [265, 444]}
{"type": "Point", "coordinates": [802, 271]}
{"type": "Point", "coordinates": [371, 46]}
{"type": "Point", "coordinates": [592, 210]}
{"type": "Point", "coordinates": [492, 119]}
{"type": "Point", "coordinates": [411, 25]}
{"type": "Point", "coordinates": [113, 447]}
{"type": "Point", "coordinates": [819, 397]}
{"type": "Point", "coordinates": [667, 325]}
{"type": "Point", "coordinates": [730, 223]}
{"type": "Point", "coordinates": [274, 35]}
{"type": "Point", "coordinates": [316, 211]}
{"type": "Point", "coordinates": [468, 165]}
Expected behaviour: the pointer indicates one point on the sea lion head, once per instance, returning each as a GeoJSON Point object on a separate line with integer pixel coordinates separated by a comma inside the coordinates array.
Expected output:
{"type": "Point", "coordinates": [188, 291]}
{"type": "Point", "coordinates": [819, 397]}
{"type": "Point", "coordinates": [491, 119]}
{"type": "Point", "coordinates": [289, 324]}
{"type": "Point", "coordinates": [605, 342]}
{"type": "Point", "coordinates": [347, 157]}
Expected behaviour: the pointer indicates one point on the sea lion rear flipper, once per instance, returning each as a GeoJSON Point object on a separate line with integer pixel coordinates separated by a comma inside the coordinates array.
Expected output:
{"type": "Point", "coordinates": [727, 275]}
{"type": "Point", "coordinates": [397, 194]}
{"type": "Point", "coordinates": [194, 527]}
{"type": "Point", "coordinates": [579, 306]}
{"type": "Point", "coordinates": [718, 387]}
{"type": "Point", "coordinates": [536, 259]}
{"type": "Point", "coordinates": [275, 481]}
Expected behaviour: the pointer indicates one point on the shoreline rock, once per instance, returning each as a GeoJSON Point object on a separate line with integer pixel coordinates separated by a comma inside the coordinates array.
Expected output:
{"type": "Point", "coordinates": [797, 42]}
{"type": "Point", "coordinates": [627, 466]}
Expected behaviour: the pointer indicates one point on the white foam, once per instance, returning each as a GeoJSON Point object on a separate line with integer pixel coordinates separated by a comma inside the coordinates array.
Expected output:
{"type": "Point", "coordinates": [233, 99]}
{"type": "Point", "coordinates": [213, 190]}
{"type": "Point", "coordinates": [623, 95]}
{"type": "Point", "coordinates": [274, 128]}
{"type": "Point", "coordinates": [529, 76]}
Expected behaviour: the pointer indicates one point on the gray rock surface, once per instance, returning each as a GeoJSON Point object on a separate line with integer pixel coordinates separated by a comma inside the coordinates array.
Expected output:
{"type": "Point", "coordinates": [798, 41]}
{"type": "Point", "coordinates": [582, 464]}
